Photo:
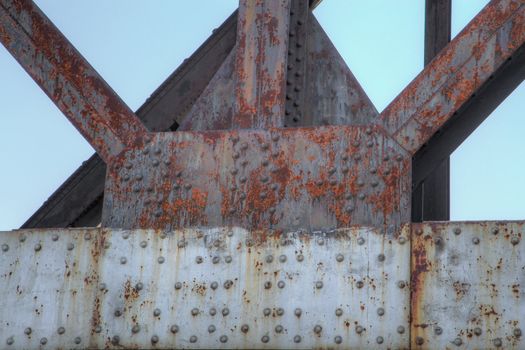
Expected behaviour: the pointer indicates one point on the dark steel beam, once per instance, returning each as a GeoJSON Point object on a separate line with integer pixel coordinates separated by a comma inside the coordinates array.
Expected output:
{"type": "Point", "coordinates": [77, 202]}
{"type": "Point", "coordinates": [431, 197]}
{"type": "Point", "coordinates": [104, 120]}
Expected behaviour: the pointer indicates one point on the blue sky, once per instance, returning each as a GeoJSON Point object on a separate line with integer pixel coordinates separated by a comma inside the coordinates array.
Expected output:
{"type": "Point", "coordinates": [135, 45]}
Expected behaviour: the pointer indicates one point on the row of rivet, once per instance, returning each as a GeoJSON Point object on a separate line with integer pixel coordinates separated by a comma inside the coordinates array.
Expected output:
{"type": "Point", "coordinates": [514, 239]}
{"type": "Point", "coordinates": [497, 342]}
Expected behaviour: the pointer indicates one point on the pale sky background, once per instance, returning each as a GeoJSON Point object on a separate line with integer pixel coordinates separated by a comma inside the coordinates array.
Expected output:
{"type": "Point", "coordinates": [135, 45]}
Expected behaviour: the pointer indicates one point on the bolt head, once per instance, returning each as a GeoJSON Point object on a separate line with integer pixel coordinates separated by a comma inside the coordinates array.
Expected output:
{"type": "Point", "coordinates": [338, 339]}
{"type": "Point", "coordinates": [135, 329]}
{"type": "Point", "coordinates": [267, 312]}
{"type": "Point", "coordinates": [61, 330]}
{"type": "Point", "coordinates": [339, 257]}
{"type": "Point", "coordinates": [300, 257]}
{"type": "Point", "coordinates": [297, 339]}
{"type": "Point", "coordinates": [43, 341]}
{"type": "Point", "coordinates": [174, 329]}
{"type": "Point", "coordinates": [380, 311]}
{"type": "Point", "coordinates": [338, 312]}
{"type": "Point", "coordinates": [155, 339]}
{"type": "Point", "coordinates": [27, 331]}
{"type": "Point", "coordinates": [156, 312]}
{"type": "Point", "coordinates": [214, 285]}
{"type": "Point", "coordinates": [517, 332]}
{"type": "Point", "coordinates": [318, 284]}
{"type": "Point", "coordinates": [380, 340]}
{"type": "Point", "coordinates": [400, 329]}
{"type": "Point", "coordinates": [193, 339]}
{"type": "Point", "coordinates": [78, 340]}
{"type": "Point", "coordinates": [245, 328]}
{"type": "Point", "coordinates": [5, 247]}
{"type": "Point", "coordinates": [477, 331]}
{"type": "Point", "coordinates": [297, 312]}
{"type": "Point", "coordinates": [265, 339]}
{"type": "Point", "coordinates": [318, 329]}
{"type": "Point", "coordinates": [420, 341]}
{"type": "Point", "coordinates": [458, 342]}
{"type": "Point", "coordinates": [359, 329]}
{"type": "Point", "coordinates": [123, 260]}
{"type": "Point", "coordinates": [225, 311]}
{"type": "Point", "coordinates": [211, 328]}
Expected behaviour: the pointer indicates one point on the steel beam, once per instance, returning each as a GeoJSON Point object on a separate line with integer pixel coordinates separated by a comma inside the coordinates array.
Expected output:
{"type": "Point", "coordinates": [260, 63]}
{"type": "Point", "coordinates": [459, 70]}
{"type": "Point", "coordinates": [68, 79]}
{"type": "Point", "coordinates": [431, 197]}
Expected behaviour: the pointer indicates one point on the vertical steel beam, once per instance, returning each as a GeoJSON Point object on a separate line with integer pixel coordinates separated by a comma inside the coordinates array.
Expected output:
{"type": "Point", "coordinates": [260, 64]}
{"type": "Point", "coordinates": [431, 198]}
{"type": "Point", "coordinates": [68, 79]}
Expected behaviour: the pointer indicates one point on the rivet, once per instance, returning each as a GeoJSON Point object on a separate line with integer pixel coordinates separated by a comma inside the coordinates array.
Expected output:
{"type": "Point", "coordinates": [380, 311]}
{"type": "Point", "coordinates": [187, 186]}
{"type": "Point", "coordinates": [156, 312]}
{"type": "Point", "coordinates": [27, 331]}
{"type": "Point", "coordinates": [245, 328]}
{"type": "Point", "coordinates": [360, 241]}
{"type": "Point", "coordinates": [517, 332]}
{"type": "Point", "coordinates": [297, 312]}
{"type": "Point", "coordinates": [475, 240]}
{"type": "Point", "coordinates": [78, 340]}
{"type": "Point", "coordinates": [139, 177]}
{"type": "Point", "coordinates": [331, 171]}
{"type": "Point", "coordinates": [320, 241]}
{"type": "Point", "coordinates": [477, 331]}
{"type": "Point", "coordinates": [234, 171]}
{"type": "Point", "coordinates": [380, 340]}
{"type": "Point", "coordinates": [359, 284]}
{"type": "Point", "coordinates": [262, 195]}
{"type": "Point", "coordinates": [139, 286]}
{"type": "Point", "coordinates": [369, 143]}
{"type": "Point", "coordinates": [161, 260]}
{"type": "Point", "coordinates": [216, 259]}
{"type": "Point", "coordinates": [399, 157]}
{"type": "Point", "coordinates": [38, 247]}
{"type": "Point", "coordinates": [319, 182]}
{"type": "Point", "coordinates": [280, 284]}
{"type": "Point", "coordinates": [400, 329]}
{"type": "Point", "coordinates": [225, 311]}
{"type": "Point", "coordinates": [373, 170]}
{"type": "Point", "coordinates": [419, 341]}
{"type": "Point", "coordinates": [338, 312]}
{"type": "Point", "coordinates": [361, 196]}
{"type": "Point", "coordinates": [319, 284]}
{"type": "Point", "coordinates": [457, 342]}
{"type": "Point", "coordinates": [223, 339]}
{"type": "Point", "coordinates": [339, 257]}
{"type": "Point", "coordinates": [267, 311]}
{"type": "Point", "coordinates": [174, 329]}
{"type": "Point", "coordinates": [61, 330]}
{"type": "Point", "coordinates": [43, 341]}
{"type": "Point", "coordinates": [211, 328]}
{"type": "Point", "coordinates": [123, 260]}
{"type": "Point", "coordinates": [374, 183]}
{"type": "Point", "coordinates": [178, 285]}
{"type": "Point", "coordinates": [244, 146]}
{"type": "Point", "coordinates": [402, 240]}
{"type": "Point", "coordinates": [401, 284]}
{"type": "Point", "coordinates": [117, 313]}
{"type": "Point", "coordinates": [194, 311]}
{"type": "Point", "coordinates": [280, 311]}
{"type": "Point", "coordinates": [338, 339]}
{"type": "Point", "coordinates": [5, 247]}
{"type": "Point", "coordinates": [228, 259]}
{"type": "Point", "coordinates": [213, 311]}
{"type": "Point", "coordinates": [282, 258]}
{"type": "Point", "coordinates": [242, 196]}
{"type": "Point", "coordinates": [135, 329]}
{"type": "Point", "coordinates": [115, 340]}
{"type": "Point", "coordinates": [10, 341]}
{"type": "Point", "coordinates": [102, 286]}
{"type": "Point", "coordinates": [228, 284]}
{"type": "Point", "coordinates": [381, 257]}
{"type": "Point", "coordinates": [265, 339]}
{"type": "Point", "coordinates": [269, 258]}
{"type": "Point", "coordinates": [359, 329]}
{"type": "Point", "coordinates": [300, 257]}
{"type": "Point", "coordinates": [154, 339]}
{"type": "Point", "coordinates": [214, 285]}
{"type": "Point", "coordinates": [265, 146]}
{"type": "Point", "coordinates": [345, 169]}
{"type": "Point", "coordinates": [267, 285]}
{"type": "Point", "coordinates": [357, 157]}
{"type": "Point", "coordinates": [54, 237]}
{"type": "Point", "coordinates": [193, 339]}
{"type": "Point", "coordinates": [243, 179]}
{"type": "Point", "coordinates": [297, 339]}
{"type": "Point", "coordinates": [318, 329]}
{"type": "Point", "coordinates": [497, 342]}
{"type": "Point", "coordinates": [514, 240]}
{"type": "Point", "coordinates": [98, 329]}
{"type": "Point", "coordinates": [275, 138]}
{"type": "Point", "coordinates": [457, 231]}
{"type": "Point", "coordinates": [198, 259]}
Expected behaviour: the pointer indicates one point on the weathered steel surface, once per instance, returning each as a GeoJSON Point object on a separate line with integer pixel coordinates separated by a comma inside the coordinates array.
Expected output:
{"type": "Point", "coordinates": [313, 178]}
{"type": "Point", "coordinates": [456, 73]}
{"type": "Point", "coordinates": [468, 283]}
{"type": "Point", "coordinates": [217, 288]}
{"type": "Point", "coordinates": [333, 94]}
{"type": "Point", "coordinates": [260, 63]}
{"type": "Point", "coordinates": [68, 79]}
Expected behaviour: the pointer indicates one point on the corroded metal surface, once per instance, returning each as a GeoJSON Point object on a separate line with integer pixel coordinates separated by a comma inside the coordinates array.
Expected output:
{"type": "Point", "coordinates": [468, 283]}
{"type": "Point", "coordinates": [68, 79]}
{"type": "Point", "coordinates": [217, 288]}
{"type": "Point", "coordinates": [312, 178]}
{"type": "Point", "coordinates": [456, 73]}
{"type": "Point", "coordinates": [260, 63]}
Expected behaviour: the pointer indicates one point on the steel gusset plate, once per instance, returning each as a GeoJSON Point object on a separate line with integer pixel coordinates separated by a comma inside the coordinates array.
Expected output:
{"type": "Point", "coordinates": [304, 178]}
{"type": "Point", "coordinates": [215, 288]}
{"type": "Point", "coordinates": [468, 281]}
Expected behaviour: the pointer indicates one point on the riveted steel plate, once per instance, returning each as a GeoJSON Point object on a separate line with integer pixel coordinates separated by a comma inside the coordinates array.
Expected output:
{"type": "Point", "coordinates": [468, 283]}
{"type": "Point", "coordinates": [303, 178]}
{"type": "Point", "coordinates": [145, 288]}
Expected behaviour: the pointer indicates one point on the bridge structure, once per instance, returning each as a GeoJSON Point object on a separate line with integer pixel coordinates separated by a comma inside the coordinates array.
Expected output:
{"type": "Point", "coordinates": [259, 200]}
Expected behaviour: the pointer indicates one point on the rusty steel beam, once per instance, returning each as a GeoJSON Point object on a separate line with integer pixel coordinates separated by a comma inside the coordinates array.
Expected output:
{"type": "Point", "coordinates": [459, 70]}
{"type": "Point", "coordinates": [78, 201]}
{"type": "Point", "coordinates": [260, 63]}
{"type": "Point", "coordinates": [67, 78]}
{"type": "Point", "coordinates": [431, 197]}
